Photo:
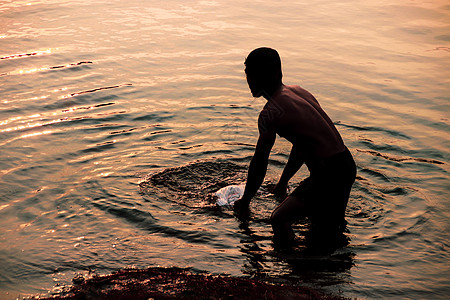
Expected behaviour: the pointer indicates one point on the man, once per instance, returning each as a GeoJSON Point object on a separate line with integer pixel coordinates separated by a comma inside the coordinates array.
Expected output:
{"type": "Point", "coordinates": [293, 113]}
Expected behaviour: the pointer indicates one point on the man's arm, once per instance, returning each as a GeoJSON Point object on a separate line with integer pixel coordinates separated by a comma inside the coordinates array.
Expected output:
{"type": "Point", "coordinates": [293, 164]}
{"type": "Point", "coordinates": [258, 166]}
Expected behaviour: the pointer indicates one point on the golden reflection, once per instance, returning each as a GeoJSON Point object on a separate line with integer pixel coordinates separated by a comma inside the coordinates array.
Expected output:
{"type": "Point", "coordinates": [28, 126]}
{"type": "Point", "coordinates": [18, 118]}
{"type": "Point", "coordinates": [28, 71]}
{"type": "Point", "coordinates": [45, 132]}
{"type": "Point", "coordinates": [41, 97]}
{"type": "Point", "coordinates": [26, 3]}
{"type": "Point", "coordinates": [36, 134]}
{"type": "Point", "coordinates": [4, 206]}
{"type": "Point", "coordinates": [43, 69]}
{"type": "Point", "coordinates": [105, 174]}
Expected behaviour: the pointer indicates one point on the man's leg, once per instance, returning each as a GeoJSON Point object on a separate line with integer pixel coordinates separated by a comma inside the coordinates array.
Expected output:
{"type": "Point", "coordinates": [289, 211]}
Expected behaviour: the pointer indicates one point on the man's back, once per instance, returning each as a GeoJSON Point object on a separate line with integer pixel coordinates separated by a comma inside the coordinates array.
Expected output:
{"type": "Point", "coordinates": [297, 116]}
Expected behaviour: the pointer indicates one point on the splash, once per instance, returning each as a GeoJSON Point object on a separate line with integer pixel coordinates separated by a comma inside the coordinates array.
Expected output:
{"type": "Point", "coordinates": [193, 185]}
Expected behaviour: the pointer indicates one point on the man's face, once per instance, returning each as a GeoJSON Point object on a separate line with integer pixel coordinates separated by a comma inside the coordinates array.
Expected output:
{"type": "Point", "coordinates": [253, 84]}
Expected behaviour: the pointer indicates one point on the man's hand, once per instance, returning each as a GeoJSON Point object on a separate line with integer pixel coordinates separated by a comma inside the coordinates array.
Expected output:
{"type": "Point", "coordinates": [241, 209]}
{"type": "Point", "coordinates": [279, 190]}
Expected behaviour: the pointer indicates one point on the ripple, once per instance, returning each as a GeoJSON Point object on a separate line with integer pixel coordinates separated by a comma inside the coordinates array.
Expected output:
{"type": "Point", "coordinates": [95, 90]}
{"type": "Point", "coordinates": [75, 118]}
{"type": "Point", "coordinates": [393, 133]}
{"type": "Point", "coordinates": [192, 185]}
{"type": "Point", "coordinates": [144, 220]}
{"type": "Point", "coordinates": [87, 107]}
{"type": "Point", "coordinates": [400, 158]}
{"type": "Point", "coordinates": [100, 147]}
{"type": "Point", "coordinates": [43, 69]}
{"type": "Point", "coordinates": [24, 55]}
{"type": "Point", "coordinates": [442, 48]}
{"type": "Point", "coordinates": [374, 173]}
{"type": "Point", "coordinates": [153, 135]}
{"type": "Point", "coordinates": [44, 122]}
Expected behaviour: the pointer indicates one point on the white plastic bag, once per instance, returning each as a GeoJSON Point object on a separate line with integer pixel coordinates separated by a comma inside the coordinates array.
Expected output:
{"type": "Point", "coordinates": [229, 194]}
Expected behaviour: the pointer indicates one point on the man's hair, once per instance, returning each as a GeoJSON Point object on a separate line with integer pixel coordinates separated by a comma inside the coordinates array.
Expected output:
{"type": "Point", "coordinates": [263, 62]}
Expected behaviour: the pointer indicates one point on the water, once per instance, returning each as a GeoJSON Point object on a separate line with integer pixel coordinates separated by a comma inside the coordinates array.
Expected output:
{"type": "Point", "coordinates": [96, 96]}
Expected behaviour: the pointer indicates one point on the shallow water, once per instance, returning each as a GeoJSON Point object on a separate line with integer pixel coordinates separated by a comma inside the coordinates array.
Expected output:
{"type": "Point", "coordinates": [98, 96]}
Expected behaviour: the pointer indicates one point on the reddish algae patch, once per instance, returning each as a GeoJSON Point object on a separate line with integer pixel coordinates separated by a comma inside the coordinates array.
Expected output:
{"type": "Point", "coordinates": [177, 283]}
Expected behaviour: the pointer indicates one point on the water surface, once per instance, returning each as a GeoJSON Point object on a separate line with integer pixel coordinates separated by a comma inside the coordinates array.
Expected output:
{"type": "Point", "coordinates": [96, 96]}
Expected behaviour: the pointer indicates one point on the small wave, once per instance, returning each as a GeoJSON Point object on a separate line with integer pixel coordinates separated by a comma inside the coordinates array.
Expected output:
{"type": "Point", "coordinates": [441, 48]}
{"type": "Point", "coordinates": [376, 129]}
{"type": "Point", "coordinates": [145, 221]}
{"type": "Point", "coordinates": [26, 123]}
{"type": "Point", "coordinates": [96, 90]}
{"type": "Point", "coordinates": [401, 159]}
{"type": "Point", "coordinates": [34, 70]}
{"type": "Point", "coordinates": [100, 147]}
{"type": "Point", "coordinates": [395, 191]}
{"type": "Point", "coordinates": [132, 215]}
{"type": "Point", "coordinates": [248, 146]}
{"type": "Point", "coordinates": [87, 107]}
{"type": "Point", "coordinates": [124, 131]}
{"type": "Point", "coordinates": [71, 65]}
{"type": "Point", "coordinates": [375, 173]}
{"type": "Point", "coordinates": [21, 55]}
{"type": "Point", "coordinates": [152, 135]}
{"type": "Point", "coordinates": [190, 147]}
{"type": "Point", "coordinates": [362, 210]}
{"type": "Point", "coordinates": [398, 237]}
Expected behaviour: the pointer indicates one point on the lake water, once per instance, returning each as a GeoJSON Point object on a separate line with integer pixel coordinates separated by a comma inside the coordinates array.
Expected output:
{"type": "Point", "coordinates": [95, 96]}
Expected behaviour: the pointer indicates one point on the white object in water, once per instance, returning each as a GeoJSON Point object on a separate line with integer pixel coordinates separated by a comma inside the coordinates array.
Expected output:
{"type": "Point", "coordinates": [229, 194]}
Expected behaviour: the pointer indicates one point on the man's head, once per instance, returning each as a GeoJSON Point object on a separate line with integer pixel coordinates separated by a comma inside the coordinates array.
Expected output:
{"type": "Point", "coordinates": [263, 70]}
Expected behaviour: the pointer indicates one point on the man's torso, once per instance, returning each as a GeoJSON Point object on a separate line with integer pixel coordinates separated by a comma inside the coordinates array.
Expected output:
{"type": "Point", "coordinates": [297, 116]}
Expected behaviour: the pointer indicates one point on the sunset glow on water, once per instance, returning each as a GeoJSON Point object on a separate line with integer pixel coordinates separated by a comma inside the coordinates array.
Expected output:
{"type": "Point", "coordinates": [96, 96]}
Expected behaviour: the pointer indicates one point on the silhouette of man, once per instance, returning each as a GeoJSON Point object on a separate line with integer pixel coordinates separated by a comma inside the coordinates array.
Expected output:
{"type": "Point", "coordinates": [294, 114]}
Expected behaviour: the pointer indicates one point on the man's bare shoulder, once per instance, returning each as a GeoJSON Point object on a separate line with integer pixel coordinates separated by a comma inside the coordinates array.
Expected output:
{"type": "Point", "coordinates": [270, 115]}
{"type": "Point", "coordinates": [297, 91]}
{"type": "Point", "coordinates": [298, 95]}
{"type": "Point", "coordinates": [290, 98]}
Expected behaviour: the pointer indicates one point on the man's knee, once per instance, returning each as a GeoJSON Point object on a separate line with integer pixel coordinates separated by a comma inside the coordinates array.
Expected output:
{"type": "Point", "coordinates": [276, 217]}
{"type": "Point", "coordinates": [287, 212]}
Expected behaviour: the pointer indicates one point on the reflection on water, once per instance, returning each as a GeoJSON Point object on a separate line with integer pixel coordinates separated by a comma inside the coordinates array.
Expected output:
{"type": "Point", "coordinates": [118, 119]}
